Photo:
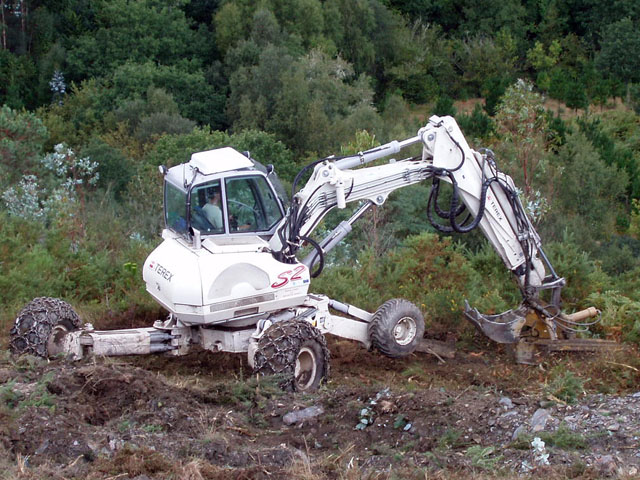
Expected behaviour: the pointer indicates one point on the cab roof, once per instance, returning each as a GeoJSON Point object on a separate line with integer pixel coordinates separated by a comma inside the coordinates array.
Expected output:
{"type": "Point", "coordinates": [219, 160]}
{"type": "Point", "coordinates": [209, 162]}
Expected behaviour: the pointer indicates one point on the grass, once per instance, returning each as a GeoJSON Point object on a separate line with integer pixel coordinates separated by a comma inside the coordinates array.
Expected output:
{"type": "Point", "coordinates": [483, 457]}
{"type": "Point", "coordinates": [563, 438]}
{"type": "Point", "coordinates": [449, 439]}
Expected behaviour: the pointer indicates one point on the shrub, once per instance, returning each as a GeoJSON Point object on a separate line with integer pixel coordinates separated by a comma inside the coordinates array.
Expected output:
{"type": "Point", "coordinates": [565, 385]}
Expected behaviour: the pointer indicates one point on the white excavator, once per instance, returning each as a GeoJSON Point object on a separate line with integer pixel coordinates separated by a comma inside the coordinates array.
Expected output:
{"type": "Point", "coordinates": [229, 274]}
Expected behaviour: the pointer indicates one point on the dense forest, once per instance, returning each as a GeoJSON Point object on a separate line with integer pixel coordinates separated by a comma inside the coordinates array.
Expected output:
{"type": "Point", "coordinates": [97, 94]}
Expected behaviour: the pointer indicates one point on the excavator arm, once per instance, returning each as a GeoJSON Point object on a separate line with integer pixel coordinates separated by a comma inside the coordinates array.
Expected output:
{"type": "Point", "coordinates": [482, 196]}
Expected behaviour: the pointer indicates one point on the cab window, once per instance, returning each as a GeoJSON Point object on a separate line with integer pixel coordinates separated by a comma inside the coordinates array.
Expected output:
{"type": "Point", "coordinates": [175, 211]}
{"type": "Point", "coordinates": [251, 204]}
{"type": "Point", "coordinates": [206, 208]}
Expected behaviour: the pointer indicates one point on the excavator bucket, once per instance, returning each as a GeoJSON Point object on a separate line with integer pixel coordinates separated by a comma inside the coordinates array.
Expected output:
{"type": "Point", "coordinates": [537, 330]}
{"type": "Point", "coordinates": [502, 328]}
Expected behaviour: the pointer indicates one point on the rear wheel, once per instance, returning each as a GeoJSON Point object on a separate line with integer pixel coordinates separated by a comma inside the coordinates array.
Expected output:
{"type": "Point", "coordinates": [297, 352]}
{"type": "Point", "coordinates": [41, 326]}
{"type": "Point", "coordinates": [396, 328]}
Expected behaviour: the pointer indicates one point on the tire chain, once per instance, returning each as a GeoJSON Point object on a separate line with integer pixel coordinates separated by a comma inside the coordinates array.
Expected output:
{"type": "Point", "coordinates": [35, 322]}
{"type": "Point", "coordinates": [278, 349]}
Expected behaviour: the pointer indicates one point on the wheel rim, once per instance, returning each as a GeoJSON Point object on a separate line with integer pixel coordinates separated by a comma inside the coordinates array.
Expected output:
{"type": "Point", "coordinates": [405, 331]}
{"type": "Point", "coordinates": [306, 369]}
{"type": "Point", "coordinates": [55, 343]}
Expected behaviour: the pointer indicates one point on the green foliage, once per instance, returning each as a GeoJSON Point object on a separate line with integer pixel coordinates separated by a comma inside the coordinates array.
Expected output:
{"type": "Point", "coordinates": [522, 121]}
{"type": "Point", "coordinates": [477, 124]}
{"type": "Point", "coordinates": [449, 439]}
{"type": "Point", "coordinates": [444, 106]}
{"type": "Point", "coordinates": [195, 98]}
{"type": "Point", "coordinates": [620, 52]}
{"type": "Point", "coordinates": [132, 31]}
{"type": "Point", "coordinates": [565, 385]}
{"type": "Point", "coordinates": [18, 73]}
{"type": "Point", "coordinates": [588, 192]}
{"type": "Point", "coordinates": [114, 168]}
{"type": "Point", "coordinates": [8, 396]}
{"type": "Point", "coordinates": [431, 272]}
{"type": "Point", "coordinates": [80, 116]}
{"type": "Point", "coordinates": [619, 313]}
{"type": "Point", "coordinates": [481, 58]}
{"type": "Point", "coordinates": [22, 136]}
{"type": "Point", "coordinates": [564, 438]}
{"type": "Point", "coordinates": [170, 150]}
{"type": "Point", "coordinates": [614, 137]}
{"type": "Point", "coordinates": [581, 272]}
{"type": "Point", "coordinates": [312, 104]}
{"type": "Point", "coordinates": [483, 457]}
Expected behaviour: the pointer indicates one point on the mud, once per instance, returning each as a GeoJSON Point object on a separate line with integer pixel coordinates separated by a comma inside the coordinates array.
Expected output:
{"type": "Point", "coordinates": [206, 416]}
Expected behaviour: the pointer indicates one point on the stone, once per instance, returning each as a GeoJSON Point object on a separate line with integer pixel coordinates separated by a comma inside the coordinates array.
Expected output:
{"type": "Point", "coordinates": [614, 427]}
{"type": "Point", "coordinates": [539, 420]}
{"type": "Point", "coordinates": [302, 415]}
{"type": "Point", "coordinates": [606, 465]}
{"type": "Point", "coordinates": [517, 432]}
{"type": "Point", "coordinates": [506, 403]}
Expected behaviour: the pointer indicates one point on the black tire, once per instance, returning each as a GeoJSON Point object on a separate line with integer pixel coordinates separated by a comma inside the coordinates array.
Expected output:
{"type": "Point", "coordinates": [35, 325]}
{"type": "Point", "coordinates": [296, 351]}
{"type": "Point", "coordinates": [396, 328]}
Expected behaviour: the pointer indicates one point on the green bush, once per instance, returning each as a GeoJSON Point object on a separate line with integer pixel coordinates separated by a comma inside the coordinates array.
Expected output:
{"type": "Point", "coordinates": [565, 385]}
{"type": "Point", "coordinates": [430, 271]}
{"type": "Point", "coordinates": [620, 314]}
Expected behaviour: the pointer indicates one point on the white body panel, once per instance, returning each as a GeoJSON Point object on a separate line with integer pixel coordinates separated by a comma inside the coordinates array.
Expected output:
{"type": "Point", "coordinates": [222, 281]}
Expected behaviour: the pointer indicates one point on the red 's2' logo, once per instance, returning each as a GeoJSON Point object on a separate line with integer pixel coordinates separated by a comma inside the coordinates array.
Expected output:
{"type": "Point", "coordinates": [289, 275]}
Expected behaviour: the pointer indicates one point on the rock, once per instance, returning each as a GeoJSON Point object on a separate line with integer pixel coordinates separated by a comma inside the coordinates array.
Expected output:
{"type": "Point", "coordinates": [506, 403]}
{"type": "Point", "coordinates": [504, 421]}
{"type": "Point", "coordinates": [302, 415]}
{"type": "Point", "coordinates": [539, 420]}
{"type": "Point", "coordinates": [614, 427]}
{"type": "Point", "coordinates": [606, 465]}
{"type": "Point", "coordinates": [387, 407]}
{"type": "Point", "coordinates": [517, 432]}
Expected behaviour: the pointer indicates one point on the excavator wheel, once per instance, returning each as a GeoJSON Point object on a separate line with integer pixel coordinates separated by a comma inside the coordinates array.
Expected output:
{"type": "Point", "coordinates": [396, 328]}
{"type": "Point", "coordinates": [39, 325]}
{"type": "Point", "coordinates": [296, 351]}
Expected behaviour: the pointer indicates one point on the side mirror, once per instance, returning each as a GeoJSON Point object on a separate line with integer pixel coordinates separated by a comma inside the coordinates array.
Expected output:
{"type": "Point", "coordinates": [163, 170]}
{"type": "Point", "coordinates": [270, 169]}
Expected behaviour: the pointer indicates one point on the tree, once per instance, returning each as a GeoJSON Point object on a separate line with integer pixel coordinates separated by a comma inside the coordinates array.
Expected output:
{"type": "Point", "coordinates": [196, 99]}
{"type": "Point", "coordinates": [588, 191]}
{"type": "Point", "coordinates": [137, 31]}
{"type": "Point", "coordinates": [22, 137]}
{"type": "Point", "coordinates": [522, 121]}
{"type": "Point", "coordinates": [620, 52]}
{"type": "Point", "coordinates": [481, 58]}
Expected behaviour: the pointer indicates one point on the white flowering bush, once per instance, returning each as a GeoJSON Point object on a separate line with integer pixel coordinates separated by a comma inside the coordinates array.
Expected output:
{"type": "Point", "coordinates": [69, 178]}
{"type": "Point", "coordinates": [23, 200]}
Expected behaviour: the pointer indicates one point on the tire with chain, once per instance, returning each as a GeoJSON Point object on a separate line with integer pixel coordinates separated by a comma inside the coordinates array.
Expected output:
{"type": "Point", "coordinates": [38, 322]}
{"type": "Point", "coordinates": [295, 350]}
{"type": "Point", "coordinates": [396, 328]}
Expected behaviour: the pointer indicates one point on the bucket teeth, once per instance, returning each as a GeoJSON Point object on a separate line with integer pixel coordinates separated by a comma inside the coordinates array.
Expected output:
{"type": "Point", "coordinates": [502, 328]}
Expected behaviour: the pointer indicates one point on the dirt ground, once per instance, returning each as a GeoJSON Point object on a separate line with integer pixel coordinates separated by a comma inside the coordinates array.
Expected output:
{"type": "Point", "coordinates": [204, 416]}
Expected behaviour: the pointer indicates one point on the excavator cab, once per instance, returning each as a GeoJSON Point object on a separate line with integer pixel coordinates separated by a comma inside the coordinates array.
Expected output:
{"type": "Point", "coordinates": [222, 192]}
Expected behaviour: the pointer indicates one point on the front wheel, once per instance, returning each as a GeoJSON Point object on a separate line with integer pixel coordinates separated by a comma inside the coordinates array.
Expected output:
{"type": "Point", "coordinates": [41, 325]}
{"type": "Point", "coordinates": [296, 351]}
{"type": "Point", "coordinates": [396, 328]}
